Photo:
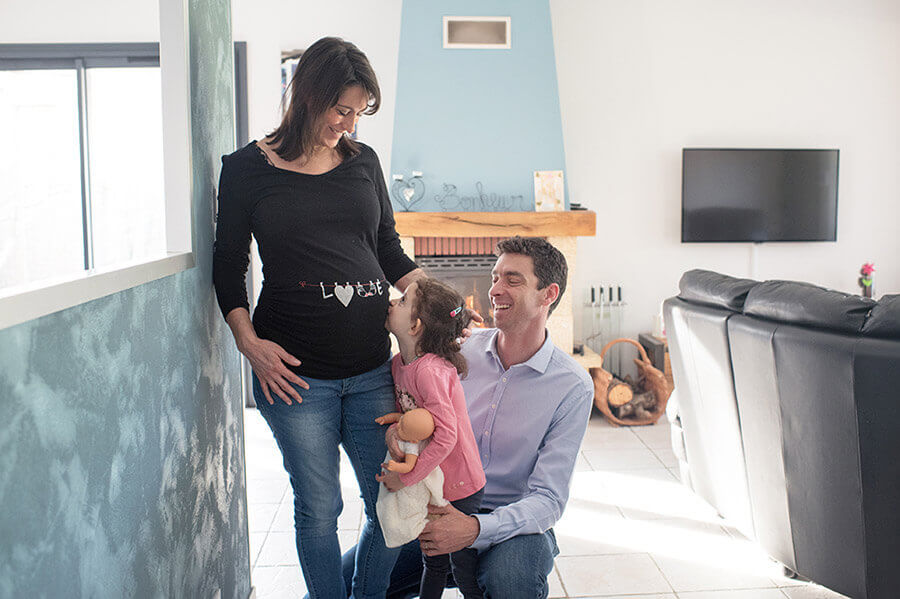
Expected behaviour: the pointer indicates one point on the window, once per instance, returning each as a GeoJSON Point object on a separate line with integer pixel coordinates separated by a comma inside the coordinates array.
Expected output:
{"type": "Point", "coordinates": [83, 159]}
{"type": "Point", "coordinates": [126, 171]}
{"type": "Point", "coordinates": [91, 205]}
{"type": "Point", "coordinates": [40, 215]}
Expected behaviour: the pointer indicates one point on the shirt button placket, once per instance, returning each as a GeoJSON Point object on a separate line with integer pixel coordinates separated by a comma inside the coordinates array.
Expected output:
{"type": "Point", "coordinates": [492, 413]}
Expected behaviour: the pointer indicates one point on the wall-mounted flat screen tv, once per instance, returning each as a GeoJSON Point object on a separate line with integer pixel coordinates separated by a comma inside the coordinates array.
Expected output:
{"type": "Point", "coordinates": [759, 195]}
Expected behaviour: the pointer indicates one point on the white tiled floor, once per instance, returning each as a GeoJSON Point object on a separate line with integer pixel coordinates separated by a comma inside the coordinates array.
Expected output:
{"type": "Point", "coordinates": [630, 528]}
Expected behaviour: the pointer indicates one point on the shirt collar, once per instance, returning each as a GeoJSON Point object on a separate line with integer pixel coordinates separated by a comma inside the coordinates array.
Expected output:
{"type": "Point", "coordinates": [538, 362]}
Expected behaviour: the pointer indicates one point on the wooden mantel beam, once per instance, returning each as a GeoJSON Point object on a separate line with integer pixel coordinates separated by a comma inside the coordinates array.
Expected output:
{"type": "Point", "coordinates": [575, 223]}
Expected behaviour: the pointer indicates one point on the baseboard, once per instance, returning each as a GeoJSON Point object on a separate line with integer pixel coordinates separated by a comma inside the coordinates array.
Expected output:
{"type": "Point", "coordinates": [252, 594]}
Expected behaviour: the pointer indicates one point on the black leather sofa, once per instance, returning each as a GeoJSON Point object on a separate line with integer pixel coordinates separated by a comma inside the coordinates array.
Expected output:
{"type": "Point", "coordinates": [788, 399]}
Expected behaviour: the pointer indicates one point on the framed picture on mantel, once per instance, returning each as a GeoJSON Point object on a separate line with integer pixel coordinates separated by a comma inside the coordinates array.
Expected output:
{"type": "Point", "coordinates": [549, 191]}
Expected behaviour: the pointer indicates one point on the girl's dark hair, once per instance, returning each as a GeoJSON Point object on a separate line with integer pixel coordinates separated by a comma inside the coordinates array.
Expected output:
{"type": "Point", "coordinates": [325, 70]}
{"type": "Point", "coordinates": [444, 316]}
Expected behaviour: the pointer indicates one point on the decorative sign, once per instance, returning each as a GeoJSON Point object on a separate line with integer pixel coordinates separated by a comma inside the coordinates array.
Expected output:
{"type": "Point", "coordinates": [549, 191]}
{"type": "Point", "coordinates": [345, 293]}
{"type": "Point", "coordinates": [449, 200]}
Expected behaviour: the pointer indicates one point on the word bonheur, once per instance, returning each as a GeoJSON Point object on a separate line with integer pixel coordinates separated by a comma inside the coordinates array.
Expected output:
{"type": "Point", "coordinates": [449, 199]}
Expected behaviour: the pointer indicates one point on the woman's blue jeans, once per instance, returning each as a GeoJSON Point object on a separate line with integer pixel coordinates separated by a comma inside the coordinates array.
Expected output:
{"type": "Point", "coordinates": [334, 412]}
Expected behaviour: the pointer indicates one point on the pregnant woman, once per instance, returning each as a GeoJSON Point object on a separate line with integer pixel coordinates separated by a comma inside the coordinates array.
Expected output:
{"type": "Point", "coordinates": [316, 202]}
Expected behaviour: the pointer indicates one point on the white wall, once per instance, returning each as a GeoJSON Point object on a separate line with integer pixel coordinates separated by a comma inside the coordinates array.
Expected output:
{"type": "Point", "coordinates": [65, 21]}
{"type": "Point", "coordinates": [640, 80]}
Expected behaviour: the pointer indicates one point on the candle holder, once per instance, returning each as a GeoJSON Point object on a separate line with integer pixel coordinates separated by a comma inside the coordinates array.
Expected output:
{"type": "Point", "coordinates": [407, 193]}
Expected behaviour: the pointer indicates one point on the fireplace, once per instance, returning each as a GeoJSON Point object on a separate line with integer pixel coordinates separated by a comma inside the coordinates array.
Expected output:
{"type": "Point", "coordinates": [468, 275]}
{"type": "Point", "coordinates": [465, 264]}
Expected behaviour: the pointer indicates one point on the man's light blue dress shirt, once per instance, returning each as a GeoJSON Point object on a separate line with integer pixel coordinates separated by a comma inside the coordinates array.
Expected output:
{"type": "Point", "coordinates": [529, 422]}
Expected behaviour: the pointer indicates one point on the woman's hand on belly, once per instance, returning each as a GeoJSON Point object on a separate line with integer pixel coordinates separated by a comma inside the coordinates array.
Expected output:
{"type": "Point", "coordinates": [268, 361]}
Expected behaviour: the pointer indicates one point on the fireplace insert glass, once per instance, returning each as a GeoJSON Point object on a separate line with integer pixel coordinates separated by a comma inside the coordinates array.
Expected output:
{"type": "Point", "coordinates": [469, 275]}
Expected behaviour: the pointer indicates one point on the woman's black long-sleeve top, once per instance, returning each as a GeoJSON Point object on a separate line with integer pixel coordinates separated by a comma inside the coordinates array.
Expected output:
{"type": "Point", "coordinates": [329, 252]}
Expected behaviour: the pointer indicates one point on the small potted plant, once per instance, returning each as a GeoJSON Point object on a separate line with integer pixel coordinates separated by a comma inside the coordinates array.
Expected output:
{"type": "Point", "coordinates": [865, 281]}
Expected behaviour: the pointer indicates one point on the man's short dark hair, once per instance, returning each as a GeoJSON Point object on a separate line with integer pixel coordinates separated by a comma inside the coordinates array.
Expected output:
{"type": "Point", "coordinates": [549, 263]}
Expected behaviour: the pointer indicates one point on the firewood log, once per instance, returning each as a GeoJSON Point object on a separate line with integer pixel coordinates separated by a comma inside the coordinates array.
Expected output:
{"type": "Point", "coordinates": [619, 392]}
{"type": "Point", "coordinates": [641, 406]}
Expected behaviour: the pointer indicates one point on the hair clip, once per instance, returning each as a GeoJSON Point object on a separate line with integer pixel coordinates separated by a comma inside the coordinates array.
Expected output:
{"type": "Point", "coordinates": [455, 312]}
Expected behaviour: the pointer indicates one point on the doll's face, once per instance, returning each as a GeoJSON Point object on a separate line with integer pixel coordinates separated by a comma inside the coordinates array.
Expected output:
{"type": "Point", "coordinates": [400, 313]}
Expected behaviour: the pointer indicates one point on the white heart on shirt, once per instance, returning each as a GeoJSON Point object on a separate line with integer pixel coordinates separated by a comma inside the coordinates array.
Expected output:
{"type": "Point", "coordinates": [344, 293]}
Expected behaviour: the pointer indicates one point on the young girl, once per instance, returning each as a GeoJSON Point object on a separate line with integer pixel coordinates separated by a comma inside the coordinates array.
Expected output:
{"type": "Point", "coordinates": [427, 322]}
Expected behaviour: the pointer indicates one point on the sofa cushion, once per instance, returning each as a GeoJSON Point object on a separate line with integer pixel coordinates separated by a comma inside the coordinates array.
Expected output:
{"type": "Point", "coordinates": [714, 289]}
{"type": "Point", "coordinates": [804, 304]}
{"type": "Point", "coordinates": [884, 320]}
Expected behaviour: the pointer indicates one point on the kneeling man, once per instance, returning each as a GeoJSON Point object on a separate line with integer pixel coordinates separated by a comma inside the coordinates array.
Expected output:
{"type": "Point", "coordinates": [529, 403]}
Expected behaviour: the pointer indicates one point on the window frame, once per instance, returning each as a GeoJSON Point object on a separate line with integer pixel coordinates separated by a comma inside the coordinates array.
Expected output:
{"type": "Point", "coordinates": [22, 303]}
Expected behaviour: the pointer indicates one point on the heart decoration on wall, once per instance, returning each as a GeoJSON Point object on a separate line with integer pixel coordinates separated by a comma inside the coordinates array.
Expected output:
{"type": "Point", "coordinates": [407, 193]}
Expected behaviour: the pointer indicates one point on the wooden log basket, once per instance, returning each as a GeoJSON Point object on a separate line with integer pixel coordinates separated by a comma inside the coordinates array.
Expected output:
{"type": "Point", "coordinates": [612, 394]}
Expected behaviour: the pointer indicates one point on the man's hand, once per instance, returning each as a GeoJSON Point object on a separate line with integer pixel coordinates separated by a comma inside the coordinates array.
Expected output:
{"type": "Point", "coordinates": [451, 532]}
{"type": "Point", "coordinates": [473, 317]}
{"type": "Point", "coordinates": [390, 479]}
{"type": "Point", "coordinates": [391, 438]}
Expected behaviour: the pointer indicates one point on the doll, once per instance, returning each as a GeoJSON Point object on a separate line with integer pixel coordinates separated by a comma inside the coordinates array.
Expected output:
{"type": "Point", "coordinates": [413, 429]}
{"type": "Point", "coordinates": [403, 514]}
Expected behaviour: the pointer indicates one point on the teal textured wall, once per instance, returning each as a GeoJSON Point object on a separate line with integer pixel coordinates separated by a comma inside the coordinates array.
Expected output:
{"type": "Point", "coordinates": [121, 454]}
{"type": "Point", "coordinates": [465, 117]}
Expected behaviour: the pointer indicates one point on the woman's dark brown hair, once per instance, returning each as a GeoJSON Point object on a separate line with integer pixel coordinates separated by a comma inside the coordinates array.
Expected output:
{"type": "Point", "coordinates": [444, 316]}
{"type": "Point", "coordinates": [325, 70]}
